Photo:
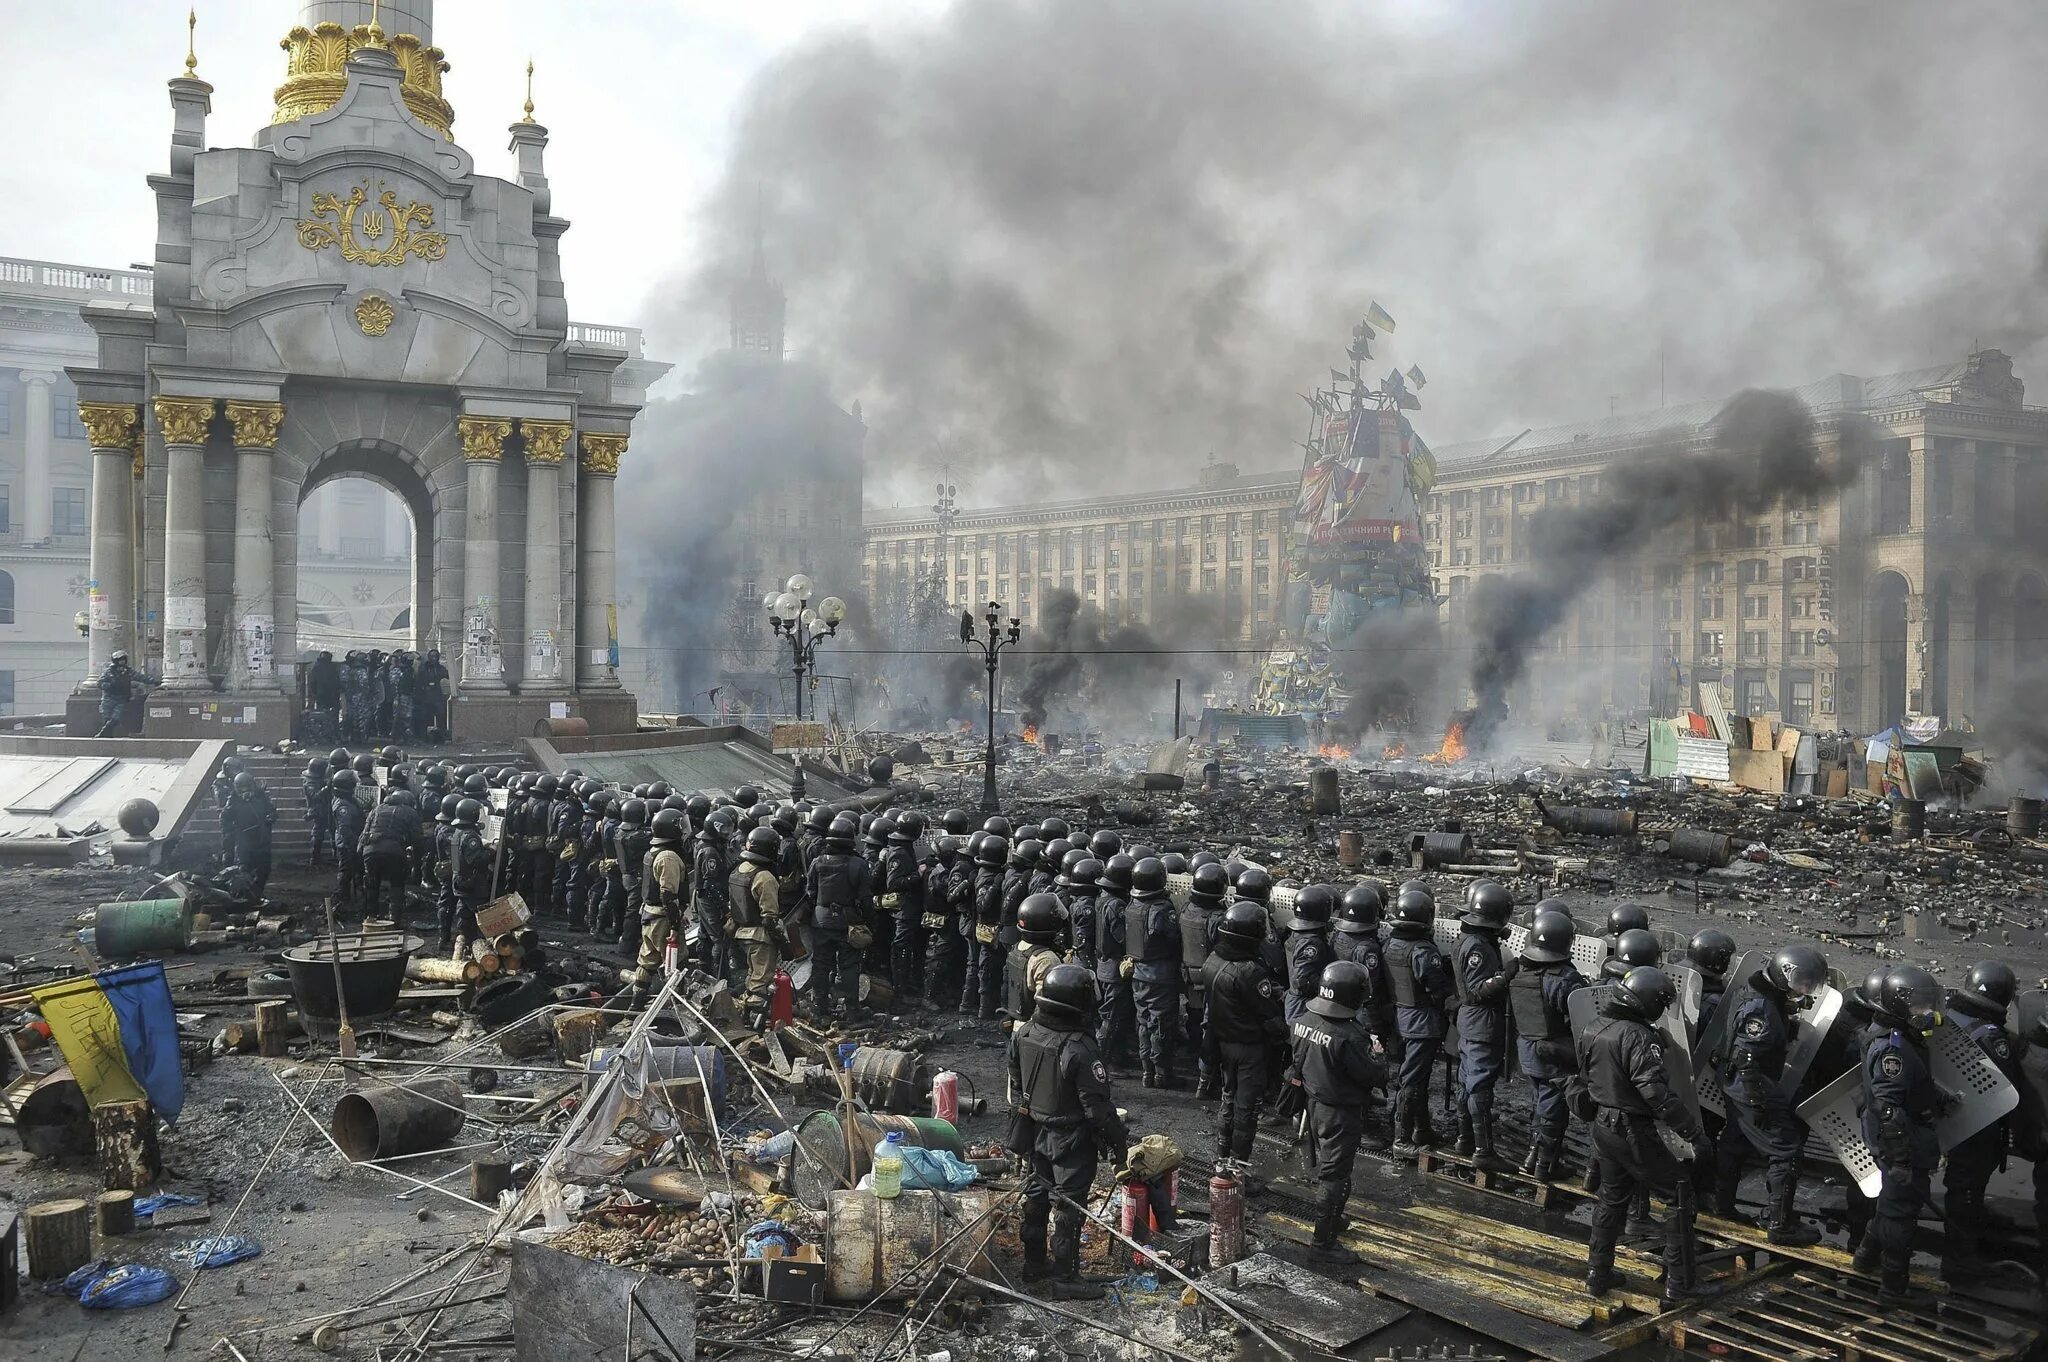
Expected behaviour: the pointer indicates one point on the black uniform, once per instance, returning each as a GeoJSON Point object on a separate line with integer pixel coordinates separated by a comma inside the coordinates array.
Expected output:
{"type": "Point", "coordinates": [902, 887]}
{"type": "Point", "coordinates": [840, 894]}
{"type": "Point", "coordinates": [388, 839]}
{"type": "Point", "coordinates": [1483, 979]}
{"type": "Point", "coordinates": [245, 824]}
{"type": "Point", "coordinates": [1368, 952]}
{"type": "Point", "coordinates": [986, 955]}
{"type": "Point", "coordinates": [1900, 1103]}
{"type": "Point", "coordinates": [1759, 1116]}
{"type": "Point", "coordinates": [319, 812]}
{"type": "Point", "coordinates": [1307, 952]}
{"type": "Point", "coordinates": [1152, 939]}
{"type": "Point", "coordinates": [1116, 1028]}
{"type": "Point", "coordinates": [1334, 1061]}
{"type": "Point", "coordinates": [1420, 982]}
{"type": "Point", "coordinates": [1538, 998]}
{"type": "Point", "coordinates": [945, 946]}
{"type": "Point", "coordinates": [1023, 971]}
{"type": "Point", "coordinates": [346, 822]}
{"type": "Point", "coordinates": [1623, 1060]}
{"type": "Point", "coordinates": [1244, 1027]}
{"type": "Point", "coordinates": [1197, 939]}
{"type": "Point", "coordinates": [710, 906]}
{"type": "Point", "coordinates": [565, 821]}
{"type": "Point", "coordinates": [469, 875]}
{"type": "Point", "coordinates": [960, 882]}
{"type": "Point", "coordinates": [1972, 1162]}
{"type": "Point", "coordinates": [1064, 1115]}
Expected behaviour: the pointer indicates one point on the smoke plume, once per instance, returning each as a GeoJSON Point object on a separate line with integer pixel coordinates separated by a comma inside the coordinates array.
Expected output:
{"type": "Point", "coordinates": [1762, 453]}
{"type": "Point", "coordinates": [1081, 667]}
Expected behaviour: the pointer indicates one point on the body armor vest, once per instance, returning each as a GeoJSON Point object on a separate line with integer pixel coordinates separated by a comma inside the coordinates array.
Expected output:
{"type": "Point", "coordinates": [739, 891]}
{"type": "Point", "coordinates": [1401, 980]}
{"type": "Point", "coordinates": [1051, 1097]}
{"type": "Point", "coordinates": [1139, 942]}
{"type": "Point", "coordinates": [1535, 1018]}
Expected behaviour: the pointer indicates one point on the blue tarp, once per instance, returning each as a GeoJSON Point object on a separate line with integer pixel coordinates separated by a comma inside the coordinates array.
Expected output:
{"type": "Point", "coordinates": [141, 998]}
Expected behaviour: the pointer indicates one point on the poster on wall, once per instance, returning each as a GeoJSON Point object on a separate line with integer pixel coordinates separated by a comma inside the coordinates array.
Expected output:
{"type": "Point", "coordinates": [185, 612]}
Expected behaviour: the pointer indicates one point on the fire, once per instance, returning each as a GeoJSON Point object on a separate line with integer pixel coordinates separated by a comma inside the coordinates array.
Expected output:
{"type": "Point", "coordinates": [1331, 751]}
{"type": "Point", "coordinates": [1453, 749]}
{"type": "Point", "coordinates": [1394, 751]}
{"type": "Point", "coordinates": [1030, 733]}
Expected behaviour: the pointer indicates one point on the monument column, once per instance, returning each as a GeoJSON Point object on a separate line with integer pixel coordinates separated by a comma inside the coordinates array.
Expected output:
{"type": "Point", "coordinates": [255, 612]}
{"type": "Point", "coordinates": [546, 444]}
{"type": "Point", "coordinates": [183, 421]}
{"type": "Point", "coordinates": [597, 561]}
{"type": "Point", "coordinates": [115, 430]}
{"type": "Point", "coordinates": [483, 448]}
{"type": "Point", "coordinates": [35, 468]}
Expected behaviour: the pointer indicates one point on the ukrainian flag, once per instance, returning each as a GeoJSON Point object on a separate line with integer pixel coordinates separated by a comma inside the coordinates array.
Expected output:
{"type": "Point", "coordinates": [118, 1032]}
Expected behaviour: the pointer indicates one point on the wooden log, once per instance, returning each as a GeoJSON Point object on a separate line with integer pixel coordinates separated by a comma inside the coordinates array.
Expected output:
{"type": "Point", "coordinates": [115, 1212]}
{"type": "Point", "coordinates": [271, 1019]}
{"type": "Point", "coordinates": [240, 1037]}
{"type": "Point", "coordinates": [488, 1176]}
{"type": "Point", "coordinates": [577, 1033]}
{"type": "Point", "coordinates": [430, 969]}
{"type": "Point", "coordinates": [528, 1038]}
{"type": "Point", "coordinates": [59, 1238]}
{"type": "Point", "coordinates": [124, 1134]}
{"type": "Point", "coordinates": [485, 957]}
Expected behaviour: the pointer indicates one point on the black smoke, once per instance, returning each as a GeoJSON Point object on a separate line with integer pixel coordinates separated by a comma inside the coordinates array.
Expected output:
{"type": "Point", "coordinates": [1761, 452]}
{"type": "Point", "coordinates": [1083, 667]}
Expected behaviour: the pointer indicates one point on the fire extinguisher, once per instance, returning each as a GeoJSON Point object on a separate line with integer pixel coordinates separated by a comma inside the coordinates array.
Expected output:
{"type": "Point", "coordinates": [781, 1001]}
{"type": "Point", "coordinates": [1137, 1212]}
{"type": "Point", "coordinates": [946, 1096]}
{"type": "Point", "coordinates": [1226, 1219]}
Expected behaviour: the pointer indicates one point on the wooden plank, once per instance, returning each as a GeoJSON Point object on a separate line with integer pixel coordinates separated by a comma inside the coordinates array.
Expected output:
{"type": "Point", "coordinates": [1776, 1315]}
{"type": "Point", "coordinates": [1812, 1255]}
{"type": "Point", "coordinates": [1475, 1249]}
{"type": "Point", "coordinates": [1934, 1317]}
{"type": "Point", "coordinates": [1446, 1300]}
{"type": "Point", "coordinates": [1540, 1241]}
{"type": "Point", "coordinates": [1741, 1341]}
{"type": "Point", "coordinates": [61, 786]}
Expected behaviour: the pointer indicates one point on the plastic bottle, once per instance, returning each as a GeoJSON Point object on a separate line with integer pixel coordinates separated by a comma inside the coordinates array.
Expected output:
{"type": "Point", "coordinates": [888, 1176]}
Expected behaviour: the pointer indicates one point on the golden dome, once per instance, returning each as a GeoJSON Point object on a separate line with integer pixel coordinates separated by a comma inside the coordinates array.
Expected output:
{"type": "Point", "coordinates": [316, 73]}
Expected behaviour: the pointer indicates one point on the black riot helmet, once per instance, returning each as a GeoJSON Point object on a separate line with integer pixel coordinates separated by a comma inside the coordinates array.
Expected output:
{"type": "Point", "coordinates": [993, 851]}
{"type": "Point", "coordinates": [998, 825]}
{"type": "Point", "coordinates": [476, 787]}
{"type": "Point", "coordinates": [1148, 879]}
{"type": "Point", "coordinates": [658, 790]}
{"type": "Point", "coordinates": [392, 756]}
{"type": "Point", "coordinates": [404, 799]}
{"type": "Point", "coordinates": [1053, 828]}
{"type": "Point", "coordinates": [785, 822]}
{"type": "Point", "coordinates": [1414, 914]}
{"type": "Point", "coordinates": [1244, 920]}
{"type": "Point", "coordinates": [879, 828]}
{"type": "Point", "coordinates": [818, 819]}
{"type": "Point", "coordinates": [1861, 1002]}
{"type": "Point", "coordinates": [365, 764]}
{"type": "Point", "coordinates": [468, 812]}
{"type": "Point", "coordinates": [746, 796]}
{"type": "Point", "coordinates": [680, 805]}
{"type": "Point", "coordinates": [1360, 909]}
{"type": "Point", "coordinates": [1627, 917]}
{"type": "Point", "coordinates": [1085, 872]}
{"type": "Point", "coordinates": [1340, 992]}
{"type": "Point", "coordinates": [244, 783]}
{"type": "Point", "coordinates": [1711, 950]}
{"type": "Point", "coordinates": [1028, 853]}
{"type": "Point", "coordinates": [699, 809]}
{"type": "Point", "coordinates": [1139, 850]}
{"type": "Point", "coordinates": [1551, 933]}
{"type": "Point", "coordinates": [1202, 858]}
{"type": "Point", "coordinates": [1418, 887]}
{"type": "Point", "coordinates": [721, 823]}
{"type": "Point", "coordinates": [1646, 991]}
{"type": "Point", "coordinates": [338, 757]}
{"type": "Point", "coordinates": [316, 769]}
{"type": "Point", "coordinates": [634, 813]}
{"type": "Point", "coordinates": [1056, 852]}
{"type": "Point", "coordinates": [843, 833]}
{"type": "Point", "coordinates": [957, 822]}
{"type": "Point", "coordinates": [343, 781]}
{"type": "Point", "coordinates": [947, 849]}
{"type": "Point", "coordinates": [1175, 863]}
{"type": "Point", "coordinates": [1038, 919]}
{"type": "Point", "coordinates": [1211, 885]}
{"type": "Point", "coordinates": [1639, 947]}
{"type": "Point", "coordinates": [1491, 903]}
{"type": "Point", "coordinates": [909, 826]}
{"type": "Point", "coordinates": [764, 845]}
{"type": "Point", "coordinates": [546, 786]}
{"type": "Point", "coordinates": [1066, 995]}
{"type": "Point", "coordinates": [1796, 971]}
{"type": "Point", "coordinates": [1987, 993]}
{"type": "Point", "coordinates": [1073, 856]}
{"type": "Point", "coordinates": [231, 767]}
{"type": "Point", "coordinates": [1105, 844]}
{"type": "Point", "coordinates": [1254, 884]}
{"type": "Point", "coordinates": [1116, 872]}
{"type": "Point", "coordinates": [1313, 907]}
{"type": "Point", "coordinates": [667, 828]}
{"type": "Point", "coordinates": [1911, 999]}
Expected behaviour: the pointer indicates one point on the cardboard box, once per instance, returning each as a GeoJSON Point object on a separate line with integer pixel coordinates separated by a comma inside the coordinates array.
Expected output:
{"type": "Point", "coordinates": [798, 1278]}
{"type": "Point", "coordinates": [499, 916]}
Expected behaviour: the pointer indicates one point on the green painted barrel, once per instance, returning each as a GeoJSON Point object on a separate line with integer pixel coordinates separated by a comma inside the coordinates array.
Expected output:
{"type": "Point", "coordinates": [141, 927]}
{"type": "Point", "coordinates": [821, 1152]}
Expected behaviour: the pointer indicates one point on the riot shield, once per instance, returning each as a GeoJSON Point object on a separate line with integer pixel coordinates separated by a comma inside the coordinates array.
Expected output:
{"type": "Point", "coordinates": [1177, 887]}
{"type": "Point", "coordinates": [1960, 1066]}
{"type": "Point", "coordinates": [1809, 1029]}
{"type": "Point", "coordinates": [1706, 1045]}
{"type": "Point", "coordinates": [1588, 952]}
{"type": "Point", "coordinates": [1582, 1008]}
{"type": "Point", "coordinates": [1835, 1115]}
{"type": "Point", "coordinates": [1447, 930]}
{"type": "Point", "coordinates": [1692, 987]}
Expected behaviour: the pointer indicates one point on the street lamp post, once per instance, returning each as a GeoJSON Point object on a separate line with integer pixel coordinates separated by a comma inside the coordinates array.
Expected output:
{"type": "Point", "coordinates": [991, 648]}
{"type": "Point", "coordinates": [791, 617]}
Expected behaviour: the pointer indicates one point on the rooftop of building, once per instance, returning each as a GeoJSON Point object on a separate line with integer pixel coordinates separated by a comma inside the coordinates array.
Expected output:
{"type": "Point", "coordinates": [1982, 378]}
{"type": "Point", "coordinates": [1215, 477]}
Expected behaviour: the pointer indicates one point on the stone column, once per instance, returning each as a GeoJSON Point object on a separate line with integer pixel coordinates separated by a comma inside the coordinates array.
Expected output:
{"type": "Point", "coordinates": [35, 480]}
{"type": "Point", "coordinates": [597, 561]}
{"type": "Point", "coordinates": [115, 429]}
{"type": "Point", "coordinates": [483, 447]}
{"type": "Point", "coordinates": [183, 421]}
{"type": "Point", "coordinates": [546, 444]}
{"type": "Point", "coordinates": [254, 664]}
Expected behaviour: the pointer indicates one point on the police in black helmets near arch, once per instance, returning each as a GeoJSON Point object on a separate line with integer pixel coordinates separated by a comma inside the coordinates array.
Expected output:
{"type": "Point", "coordinates": [1420, 980]}
{"type": "Point", "coordinates": [1900, 1105]}
{"type": "Point", "coordinates": [1337, 1070]}
{"type": "Point", "coordinates": [1760, 1117]}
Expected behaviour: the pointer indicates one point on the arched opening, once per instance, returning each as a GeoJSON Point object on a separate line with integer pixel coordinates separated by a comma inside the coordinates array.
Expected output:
{"type": "Point", "coordinates": [2029, 630]}
{"type": "Point", "coordinates": [1884, 633]}
{"type": "Point", "coordinates": [356, 540]}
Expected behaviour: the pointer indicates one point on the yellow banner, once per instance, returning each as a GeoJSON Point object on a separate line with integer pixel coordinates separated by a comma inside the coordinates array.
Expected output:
{"type": "Point", "coordinates": [89, 1034]}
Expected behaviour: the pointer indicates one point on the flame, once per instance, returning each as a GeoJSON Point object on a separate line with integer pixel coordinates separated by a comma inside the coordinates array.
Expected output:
{"type": "Point", "coordinates": [1030, 733]}
{"type": "Point", "coordinates": [1453, 748]}
{"type": "Point", "coordinates": [1331, 751]}
{"type": "Point", "coordinates": [1394, 751]}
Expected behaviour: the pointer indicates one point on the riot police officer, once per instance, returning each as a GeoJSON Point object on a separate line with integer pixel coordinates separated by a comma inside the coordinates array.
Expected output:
{"type": "Point", "coordinates": [389, 836]}
{"type": "Point", "coordinates": [319, 806]}
{"type": "Point", "coordinates": [116, 685]}
{"type": "Point", "coordinates": [346, 818]}
{"type": "Point", "coordinates": [1116, 1027]}
{"type": "Point", "coordinates": [1038, 927]}
{"type": "Point", "coordinates": [1539, 998]}
{"type": "Point", "coordinates": [469, 872]}
{"type": "Point", "coordinates": [1355, 936]}
{"type": "Point", "coordinates": [1334, 1062]}
{"type": "Point", "coordinates": [945, 960]}
{"type": "Point", "coordinates": [709, 890]}
{"type": "Point", "coordinates": [1483, 979]}
{"type": "Point", "coordinates": [1063, 1115]}
{"type": "Point", "coordinates": [1152, 948]}
{"type": "Point", "coordinates": [838, 886]}
{"type": "Point", "coordinates": [1244, 1023]}
{"type": "Point", "coordinates": [960, 899]}
{"type": "Point", "coordinates": [987, 952]}
{"type": "Point", "coordinates": [1711, 951]}
{"type": "Point", "coordinates": [1420, 982]}
{"type": "Point", "coordinates": [1200, 917]}
{"type": "Point", "coordinates": [1900, 1105]}
{"type": "Point", "coordinates": [1635, 948]}
{"type": "Point", "coordinates": [1759, 1113]}
{"type": "Point", "coordinates": [629, 850]}
{"type": "Point", "coordinates": [902, 889]}
{"type": "Point", "coordinates": [1980, 1005]}
{"type": "Point", "coordinates": [1307, 946]}
{"type": "Point", "coordinates": [1622, 1056]}
{"type": "Point", "coordinates": [662, 898]}
{"type": "Point", "coordinates": [246, 821]}
{"type": "Point", "coordinates": [1083, 878]}
{"type": "Point", "coordinates": [754, 898]}
{"type": "Point", "coordinates": [565, 819]}
{"type": "Point", "coordinates": [1625, 917]}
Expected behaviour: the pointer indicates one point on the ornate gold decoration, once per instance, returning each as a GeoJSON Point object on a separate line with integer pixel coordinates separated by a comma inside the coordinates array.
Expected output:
{"type": "Point", "coordinates": [110, 425]}
{"type": "Point", "coordinates": [374, 314]}
{"type": "Point", "coordinates": [316, 73]}
{"type": "Point", "coordinates": [529, 91]}
{"type": "Point", "coordinates": [256, 423]}
{"type": "Point", "coordinates": [183, 420]}
{"type": "Point", "coordinates": [546, 441]}
{"type": "Point", "coordinates": [483, 437]}
{"type": "Point", "coordinates": [191, 40]}
{"type": "Point", "coordinates": [349, 213]}
{"type": "Point", "coordinates": [601, 454]}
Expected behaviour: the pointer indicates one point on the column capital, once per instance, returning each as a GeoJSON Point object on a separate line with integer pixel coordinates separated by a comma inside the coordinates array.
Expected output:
{"type": "Point", "coordinates": [256, 424]}
{"type": "Point", "coordinates": [483, 437]}
{"type": "Point", "coordinates": [39, 377]}
{"type": "Point", "coordinates": [546, 441]}
{"type": "Point", "coordinates": [601, 454]}
{"type": "Point", "coordinates": [111, 425]}
{"type": "Point", "coordinates": [183, 420]}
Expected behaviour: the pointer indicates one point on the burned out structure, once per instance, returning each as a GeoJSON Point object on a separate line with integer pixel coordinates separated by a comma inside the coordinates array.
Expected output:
{"type": "Point", "coordinates": [1920, 588]}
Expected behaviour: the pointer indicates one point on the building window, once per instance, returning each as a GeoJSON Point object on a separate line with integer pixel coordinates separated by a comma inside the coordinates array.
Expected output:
{"type": "Point", "coordinates": [1524, 492]}
{"type": "Point", "coordinates": [6, 508]}
{"type": "Point", "coordinates": [1802, 643]}
{"type": "Point", "coordinates": [1260, 578]}
{"type": "Point", "coordinates": [1756, 607]}
{"type": "Point", "coordinates": [1233, 580]}
{"type": "Point", "coordinates": [1709, 643]}
{"type": "Point", "coordinates": [1491, 496]}
{"type": "Point", "coordinates": [1088, 584]}
{"type": "Point", "coordinates": [1750, 571]}
{"type": "Point", "coordinates": [1115, 558]}
{"type": "Point", "coordinates": [6, 692]}
{"type": "Point", "coordinates": [1492, 554]}
{"type": "Point", "coordinates": [69, 511]}
{"type": "Point", "coordinates": [1800, 569]}
{"type": "Point", "coordinates": [1802, 607]}
{"type": "Point", "coordinates": [1260, 549]}
{"type": "Point", "coordinates": [1803, 532]}
{"type": "Point", "coordinates": [1667, 576]}
{"type": "Point", "coordinates": [1461, 557]}
{"type": "Point", "coordinates": [1754, 642]}
{"type": "Point", "coordinates": [6, 408]}
{"type": "Point", "coordinates": [1495, 526]}
{"type": "Point", "coordinates": [1589, 485]}
{"type": "Point", "coordinates": [1208, 579]}
{"type": "Point", "coordinates": [1710, 607]}
{"type": "Point", "coordinates": [1554, 490]}
{"type": "Point", "coordinates": [64, 422]}
{"type": "Point", "coordinates": [7, 607]}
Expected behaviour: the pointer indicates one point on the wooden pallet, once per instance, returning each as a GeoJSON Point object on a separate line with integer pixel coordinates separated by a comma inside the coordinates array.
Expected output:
{"type": "Point", "coordinates": [1815, 1315]}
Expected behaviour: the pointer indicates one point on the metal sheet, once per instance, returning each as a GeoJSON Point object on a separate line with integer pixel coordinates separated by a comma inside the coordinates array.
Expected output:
{"type": "Point", "coordinates": [1812, 1025]}
{"type": "Point", "coordinates": [1702, 759]}
{"type": "Point", "coordinates": [1960, 1066]}
{"type": "Point", "coordinates": [1691, 989]}
{"type": "Point", "coordinates": [1177, 887]}
{"type": "Point", "coordinates": [57, 789]}
{"type": "Point", "coordinates": [1809, 1030]}
{"type": "Point", "coordinates": [1835, 1116]}
{"type": "Point", "coordinates": [1706, 1045]}
{"type": "Point", "coordinates": [1447, 931]}
{"type": "Point", "coordinates": [1330, 1315]}
{"type": "Point", "coordinates": [1589, 953]}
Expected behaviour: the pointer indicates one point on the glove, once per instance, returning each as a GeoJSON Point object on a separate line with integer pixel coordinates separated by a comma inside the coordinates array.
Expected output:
{"type": "Point", "coordinates": [1123, 968]}
{"type": "Point", "coordinates": [1946, 1101]}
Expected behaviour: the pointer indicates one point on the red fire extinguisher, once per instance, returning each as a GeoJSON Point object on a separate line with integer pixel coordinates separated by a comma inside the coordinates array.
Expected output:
{"type": "Point", "coordinates": [1226, 1219]}
{"type": "Point", "coordinates": [781, 1001]}
{"type": "Point", "coordinates": [1137, 1212]}
{"type": "Point", "coordinates": [946, 1096]}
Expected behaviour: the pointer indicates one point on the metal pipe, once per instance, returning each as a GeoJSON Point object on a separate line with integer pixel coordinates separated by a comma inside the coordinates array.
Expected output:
{"type": "Point", "coordinates": [1073, 1315]}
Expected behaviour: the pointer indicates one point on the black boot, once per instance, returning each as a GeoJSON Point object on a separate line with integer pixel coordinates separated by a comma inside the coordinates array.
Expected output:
{"type": "Point", "coordinates": [1895, 1287]}
{"type": "Point", "coordinates": [1206, 1085]}
{"type": "Point", "coordinates": [1786, 1227]}
{"type": "Point", "coordinates": [1866, 1263]}
{"type": "Point", "coordinates": [1323, 1245]}
{"type": "Point", "coordinates": [1037, 1267]}
{"type": "Point", "coordinates": [1151, 1076]}
{"type": "Point", "coordinates": [1404, 1126]}
{"type": "Point", "coordinates": [1467, 1142]}
{"type": "Point", "coordinates": [1601, 1278]}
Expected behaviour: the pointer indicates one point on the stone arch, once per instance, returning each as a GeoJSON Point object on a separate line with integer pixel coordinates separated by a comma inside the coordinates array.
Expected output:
{"type": "Point", "coordinates": [1884, 641]}
{"type": "Point", "coordinates": [406, 476]}
{"type": "Point", "coordinates": [2029, 628]}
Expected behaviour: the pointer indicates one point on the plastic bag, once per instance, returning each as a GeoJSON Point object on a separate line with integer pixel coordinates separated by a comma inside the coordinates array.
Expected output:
{"type": "Point", "coordinates": [217, 1250]}
{"type": "Point", "coordinates": [150, 1205]}
{"type": "Point", "coordinates": [106, 1285]}
{"type": "Point", "coordinates": [936, 1170]}
{"type": "Point", "coordinates": [768, 1231]}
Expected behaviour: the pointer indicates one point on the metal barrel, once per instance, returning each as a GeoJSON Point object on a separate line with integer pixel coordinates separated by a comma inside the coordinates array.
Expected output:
{"type": "Point", "coordinates": [671, 1063]}
{"type": "Point", "coordinates": [141, 926]}
{"type": "Point", "coordinates": [822, 1149]}
{"type": "Point", "coordinates": [1350, 848]}
{"type": "Point", "coordinates": [1699, 846]}
{"type": "Point", "coordinates": [2023, 816]}
{"type": "Point", "coordinates": [1591, 822]}
{"type": "Point", "coordinates": [379, 1123]}
{"type": "Point", "coordinates": [893, 1080]}
{"type": "Point", "coordinates": [1445, 848]}
{"type": "Point", "coordinates": [1323, 793]}
{"type": "Point", "coordinates": [874, 1246]}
